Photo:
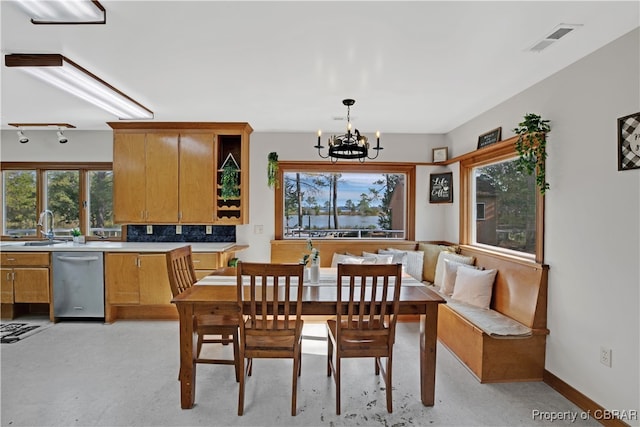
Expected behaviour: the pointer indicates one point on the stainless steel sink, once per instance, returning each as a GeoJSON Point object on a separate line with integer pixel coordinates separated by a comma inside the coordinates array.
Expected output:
{"type": "Point", "coordinates": [44, 242]}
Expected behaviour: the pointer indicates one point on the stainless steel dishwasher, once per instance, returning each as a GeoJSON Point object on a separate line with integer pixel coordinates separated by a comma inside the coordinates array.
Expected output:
{"type": "Point", "coordinates": [78, 284]}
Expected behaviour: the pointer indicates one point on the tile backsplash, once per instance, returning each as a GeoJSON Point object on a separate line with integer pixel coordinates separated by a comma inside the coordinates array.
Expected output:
{"type": "Point", "coordinates": [190, 233]}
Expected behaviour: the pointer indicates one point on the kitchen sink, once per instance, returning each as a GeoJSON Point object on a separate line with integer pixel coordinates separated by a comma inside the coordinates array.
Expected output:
{"type": "Point", "coordinates": [44, 242]}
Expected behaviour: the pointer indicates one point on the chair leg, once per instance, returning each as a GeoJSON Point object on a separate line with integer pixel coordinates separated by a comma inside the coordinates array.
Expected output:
{"type": "Point", "coordinates": [294, 387]}
{"type": "Point", "coordinates": [241, 388]}
{"type": "Point", "coordinates": [199, 345]}
{"type": "Point", "coordinates": [329, 354]}
{"type": "Point", "coordinates": [337, 378]}
{"type": "Point", "coordinates": [300, 361]}
{"type": "Point", "coordinates": [376, 362]}
{"type": "Point", "coordinates": [236, 356]}
{"type": "Point", "coordinates": [388, 384]}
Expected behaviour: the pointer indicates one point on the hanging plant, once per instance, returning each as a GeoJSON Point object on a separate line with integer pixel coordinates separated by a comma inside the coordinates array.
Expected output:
{"type": "Point", "coordinates": [531, 147]}
{"type": "Point", "coordinates": [272, 170]}
{"type": "Point", "coordinates": [229, 182]}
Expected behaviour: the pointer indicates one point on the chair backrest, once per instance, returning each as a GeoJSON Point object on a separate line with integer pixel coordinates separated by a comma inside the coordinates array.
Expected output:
{"type": "Point", "coordinates": [367, 285]}
{"type": "Point", "coordinates": [182, 274]}
{"type": "Point", "coordinates": [276, 300]}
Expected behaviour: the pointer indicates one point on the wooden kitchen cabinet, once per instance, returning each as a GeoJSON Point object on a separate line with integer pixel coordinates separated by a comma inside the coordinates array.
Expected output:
{"type": "Point", "coordinates": [156, 182]}
{"type": "Point", "coordinates": [206, 263]}
{"type": "Point", "coordinates": [145, 183]}
{"type": "Point", "coordinates": [25, 281]}
{"type": "Point", "coordinates": [134, 281]}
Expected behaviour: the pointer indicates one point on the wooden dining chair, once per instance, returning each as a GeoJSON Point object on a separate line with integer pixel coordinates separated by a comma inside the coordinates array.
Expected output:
{"type": "Point", "coordinates": [224, 328]}
{"type": "Point", "coordinates": [364, 327]}
{"type": "Point", "coordinates": [270, 318]}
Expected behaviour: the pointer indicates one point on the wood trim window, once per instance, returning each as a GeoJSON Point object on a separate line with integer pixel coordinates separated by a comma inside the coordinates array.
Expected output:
{"type": "Point", "coordinates": [408, 170]}
{"type": "Point", "coordinates": [495, 154]}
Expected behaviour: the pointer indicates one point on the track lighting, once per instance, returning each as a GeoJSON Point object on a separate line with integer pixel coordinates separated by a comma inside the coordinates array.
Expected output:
{"type": "Point", "coordinates": [61, 138]}
{"type": "Point", "coordinates": [22, 138]}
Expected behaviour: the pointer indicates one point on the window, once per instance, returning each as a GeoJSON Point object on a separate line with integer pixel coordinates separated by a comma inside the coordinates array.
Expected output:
{"type": "Point", "coordinates": [350, 201]}
{"type": "Point", "coordinates": [501, 206]}
{"type": "Point", "coordinates": [80, 196]}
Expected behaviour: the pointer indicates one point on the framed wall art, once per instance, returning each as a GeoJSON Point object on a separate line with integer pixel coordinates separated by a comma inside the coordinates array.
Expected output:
{"type": "Point", "coordinates": [440, 154]}
{"type": "Point", "coordinates": [629, 142]}
{"type": "Point", "coordinates": [490, 137]}
{"type": "Point", "coordinates": [441, 187]}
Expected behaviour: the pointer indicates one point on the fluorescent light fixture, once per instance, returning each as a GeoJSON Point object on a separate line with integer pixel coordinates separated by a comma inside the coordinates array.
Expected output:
{"type": "Point", "coordinates": [64, 11]}
{"type": "Point", "coordinates": [65, 74]}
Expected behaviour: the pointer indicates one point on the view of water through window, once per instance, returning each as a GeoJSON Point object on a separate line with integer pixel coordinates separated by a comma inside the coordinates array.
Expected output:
{"type": "Point", "coordinates": [344, 205]}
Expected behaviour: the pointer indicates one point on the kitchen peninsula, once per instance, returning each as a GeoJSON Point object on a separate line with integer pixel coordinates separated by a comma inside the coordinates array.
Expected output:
{"type": "Point", "coordinates": [136, 285]}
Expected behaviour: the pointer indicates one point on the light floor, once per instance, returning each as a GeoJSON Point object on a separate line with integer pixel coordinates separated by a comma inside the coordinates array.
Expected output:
{"type": "Point", "coordinates": [125, 374]}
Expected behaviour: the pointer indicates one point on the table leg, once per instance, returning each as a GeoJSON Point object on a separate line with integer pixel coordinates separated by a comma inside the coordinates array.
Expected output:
{"type": "Point", "coordinates": [428, 342]}
{"type": "Point", "coordinates": [187, 357]}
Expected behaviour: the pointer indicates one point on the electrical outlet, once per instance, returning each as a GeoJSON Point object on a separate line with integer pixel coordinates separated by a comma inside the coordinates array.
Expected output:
{"type": "Point", "coordinates": [149, 229]}
{"type": "Point", "coordinates": [605, 356]}
{"type": "Point", "coordinates": [209, 229]}
{"type": "Point", "coordinates": [178, 229]}
{"type": "Point", "coordinates": [258, 229]}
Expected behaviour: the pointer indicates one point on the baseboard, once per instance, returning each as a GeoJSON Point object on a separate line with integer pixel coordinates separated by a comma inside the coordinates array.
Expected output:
{"type": "Point", "coordinates": [591, 408]}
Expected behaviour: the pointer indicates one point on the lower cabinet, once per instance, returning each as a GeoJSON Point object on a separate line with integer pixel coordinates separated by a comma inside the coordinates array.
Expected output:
{"type": "Point", "coordinates": [25, 283]}
{"type": "Point", "coordinates": [137, 282]}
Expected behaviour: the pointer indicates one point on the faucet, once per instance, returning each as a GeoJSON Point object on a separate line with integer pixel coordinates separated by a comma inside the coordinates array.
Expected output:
{"type": "Point", "coordinates": [42, 222]}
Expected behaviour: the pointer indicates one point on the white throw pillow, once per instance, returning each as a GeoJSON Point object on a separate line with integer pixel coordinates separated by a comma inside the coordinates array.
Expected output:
{"type": "Point", "coordinates": [413, 266]}
{"type": "Point", "coordinates": [462, 259]}
{"type": "Point", "coordinates": [399, 257]}
{"type": "Point", "coordinates": [474, 286]}
{"type": "Point", "coordinates": [371, 258]}
{"type": "Point", "coordinates": [450, 270]}
{"type": "Point", "coordinates": [345, 259]}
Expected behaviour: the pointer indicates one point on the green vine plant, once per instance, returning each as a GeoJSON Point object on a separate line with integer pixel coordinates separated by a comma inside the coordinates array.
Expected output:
{"type": "Point", "coordinates": [531, 147]}
{"type": "Point", "coordinates": [272, 170]}
{"type": "Point", "coordinates": [229, 182]}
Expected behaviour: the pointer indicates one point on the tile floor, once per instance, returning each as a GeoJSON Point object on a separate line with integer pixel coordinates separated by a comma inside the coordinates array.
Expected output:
{"type": "Point", "coordinates": [125, 374]}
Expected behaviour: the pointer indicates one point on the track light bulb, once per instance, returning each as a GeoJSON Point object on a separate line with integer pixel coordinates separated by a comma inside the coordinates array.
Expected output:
{"type": "Point", "coordinates": [22, 138]}
{"type": "Point", "coordinates": [61, 137]}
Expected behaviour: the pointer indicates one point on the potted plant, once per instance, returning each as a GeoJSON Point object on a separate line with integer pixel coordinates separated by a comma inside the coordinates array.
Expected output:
{"type": "Point", "coordinates": [76, 234]}
{"type": "Point", "coordinates": [272, 170]}
{"type": "Point", "coordinates": [531, 147]}
{"type": "Point", "coordinates": [229, 179]}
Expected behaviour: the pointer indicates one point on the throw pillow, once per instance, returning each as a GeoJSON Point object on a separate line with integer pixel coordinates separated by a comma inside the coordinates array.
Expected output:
{"type": "Point", "coordinates": [345, 259]}
{"type": "Point", "coordinates": [450, 271]}
{"type": "Point", "coordinates": [399, 257]}
{"type": "Point", "coordinates": [371, 258]}
{"type": "Point", "coordinates": [414, 263]}
{"type": "Point", "coordinates": [431, 252]}
{"type": "Point", "coordinates": [452, 257]}
{"type": "Point", "coordinates": [474, 286]}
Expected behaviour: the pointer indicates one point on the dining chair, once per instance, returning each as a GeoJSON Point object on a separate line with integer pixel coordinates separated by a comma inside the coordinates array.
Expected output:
{"type": "Point", "coordinates": [270, 310]}
{"type": "Point", "coordinates": [181, 277]}
{"type": "Point", "coordinates": [364, 327]}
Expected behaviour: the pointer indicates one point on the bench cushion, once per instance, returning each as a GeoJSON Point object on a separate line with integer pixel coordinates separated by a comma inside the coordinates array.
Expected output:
{"type": "Point", "coordinates": [491, 322]}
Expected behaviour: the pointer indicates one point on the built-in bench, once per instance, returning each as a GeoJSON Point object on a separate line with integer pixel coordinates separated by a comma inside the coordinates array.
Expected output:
{"type": "Point", "coordinates": [505, 343]}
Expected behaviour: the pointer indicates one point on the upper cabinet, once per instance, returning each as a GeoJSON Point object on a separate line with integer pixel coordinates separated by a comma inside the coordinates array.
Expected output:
{"type": "Point", "coordinates": [172, 172]}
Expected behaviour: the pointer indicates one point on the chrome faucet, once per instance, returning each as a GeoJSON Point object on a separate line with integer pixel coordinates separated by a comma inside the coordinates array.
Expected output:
{"type": "Point", "coordinates": [42, 222]}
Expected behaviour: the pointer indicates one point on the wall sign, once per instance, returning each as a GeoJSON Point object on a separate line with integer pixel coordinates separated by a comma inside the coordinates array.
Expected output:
{"type": "Point", "coordinates": [629, 142]}
{"type": "Point", "coordinates": [441, 187]}
{"type": "Point", "coordinates": [490, 137]}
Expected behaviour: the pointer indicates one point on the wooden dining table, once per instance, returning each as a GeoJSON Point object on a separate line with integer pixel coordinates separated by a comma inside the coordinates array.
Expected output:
{"type": "Point", "coordinates": [218, 295]}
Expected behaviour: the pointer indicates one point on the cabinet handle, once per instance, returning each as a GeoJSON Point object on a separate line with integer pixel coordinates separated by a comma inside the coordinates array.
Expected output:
{"type": "Point", "coordinates": [11, 259]}
{"type": "Point", "coordinates": [14, 276]}
{"type": "Point", "coordinates": [8, 276]}
{"type": "Point", "coordinates": [141, 214]}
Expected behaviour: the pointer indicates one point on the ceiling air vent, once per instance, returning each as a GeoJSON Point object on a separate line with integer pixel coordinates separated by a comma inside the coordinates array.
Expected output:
{"type": "Point", "coordinates": [556, 34]}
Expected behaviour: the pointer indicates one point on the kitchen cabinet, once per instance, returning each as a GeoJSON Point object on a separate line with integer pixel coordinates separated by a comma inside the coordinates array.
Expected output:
{"type": "Point", "coordinates": [136, 278]}
{"type": "Point", "coordinates": [170, 172]}
{"type": "Point", "coordinates": [145, 184]}
{"type": "Point", "coordinates": [25, 280]}
{"type": "Point", "coordinates": [206, 263]}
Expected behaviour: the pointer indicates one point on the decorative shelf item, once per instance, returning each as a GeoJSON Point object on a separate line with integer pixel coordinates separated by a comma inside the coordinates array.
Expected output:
{"type": "Point", "coordinates": [229, 180]}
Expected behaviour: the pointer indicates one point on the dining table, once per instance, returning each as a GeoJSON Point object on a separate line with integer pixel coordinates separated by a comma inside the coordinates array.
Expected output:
{"type": "Point", "coordinates": [217, 294]}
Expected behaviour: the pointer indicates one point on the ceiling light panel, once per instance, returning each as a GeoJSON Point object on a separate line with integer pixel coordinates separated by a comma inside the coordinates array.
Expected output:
{"type": "Point", "coordinates": [64, 11]}
{"type": "Point", "coordinates": [67, 75]}
{"type": "Point", "coordinates": [553, 36]}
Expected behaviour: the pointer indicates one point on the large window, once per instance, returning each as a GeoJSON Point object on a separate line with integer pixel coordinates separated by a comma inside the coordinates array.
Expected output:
{"type": "Point", "coordinates": [344, 201]}
{"type": "Point", "coordinates": [501, 208]}
{"type": "Point", "coordinates": [80, 196]}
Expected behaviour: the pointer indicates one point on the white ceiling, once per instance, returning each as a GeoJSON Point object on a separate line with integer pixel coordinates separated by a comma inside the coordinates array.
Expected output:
{"type": "Point", "coordinates": [413, 67]}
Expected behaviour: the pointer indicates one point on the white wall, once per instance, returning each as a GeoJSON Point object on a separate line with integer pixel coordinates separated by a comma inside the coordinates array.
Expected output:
{"type": "Point", "coordinates": [43, 146]}
{"type": "Point", "coordinates": [592, 234]}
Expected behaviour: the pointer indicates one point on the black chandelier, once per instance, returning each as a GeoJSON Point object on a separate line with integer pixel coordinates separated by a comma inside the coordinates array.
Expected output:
{"type": "Point", "coordinates": [350, 145]}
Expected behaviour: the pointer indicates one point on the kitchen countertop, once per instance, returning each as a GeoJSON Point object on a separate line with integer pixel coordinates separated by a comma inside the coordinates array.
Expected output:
{"type": "Point", "coordinates": [106, 246]}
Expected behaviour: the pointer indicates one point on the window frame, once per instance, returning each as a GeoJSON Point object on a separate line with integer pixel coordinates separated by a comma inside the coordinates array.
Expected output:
{"type": "Point", "coordinates": [41, 168]}
{"type": "Point", "coordinates": [409, 169]}
{"type": "Point", "coordinates": [495, 153]}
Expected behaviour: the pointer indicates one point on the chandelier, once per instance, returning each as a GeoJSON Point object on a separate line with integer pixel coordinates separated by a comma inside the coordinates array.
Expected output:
{"type": "Point", "coordinates": [350, 145]}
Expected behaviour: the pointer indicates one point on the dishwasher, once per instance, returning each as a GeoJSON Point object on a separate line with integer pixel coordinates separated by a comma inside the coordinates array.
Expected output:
{"type": "Point", "coordinates": [78, 284]}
